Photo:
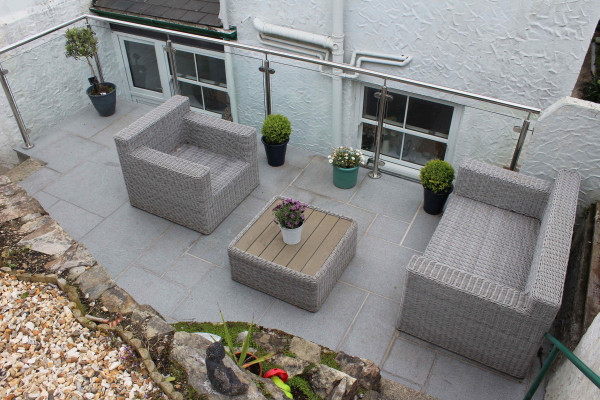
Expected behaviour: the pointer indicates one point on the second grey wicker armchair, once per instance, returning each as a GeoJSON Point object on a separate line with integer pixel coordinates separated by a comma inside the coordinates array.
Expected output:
{"type": "Point", "coordinates": [189, 168]}
{"type": "Point", "coordinates": [490, 282]}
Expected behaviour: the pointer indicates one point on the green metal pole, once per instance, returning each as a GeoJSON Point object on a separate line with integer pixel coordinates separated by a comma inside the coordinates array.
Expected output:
{"type": "Point", "coordinates": [558, 346]}
{"type": "Point", "coordinates": [540, 376]}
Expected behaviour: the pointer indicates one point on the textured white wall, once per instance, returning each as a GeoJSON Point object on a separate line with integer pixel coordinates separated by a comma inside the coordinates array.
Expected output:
{"type": "Point", "coordinates": [567, 136]}
{"type": "Point", "coordinates": [46, 85]}
{"type": "Point", "coordinates": [568, 383]}
{"type": "Point", "coordinates": [527, 52]}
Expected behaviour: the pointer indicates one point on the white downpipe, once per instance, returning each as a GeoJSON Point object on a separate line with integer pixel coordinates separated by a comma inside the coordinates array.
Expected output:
{"type": "Point", "coordinates": [294, 34]}
{"type": "Point", "coordinates": [223, 14]}
{"type": "Point", "coordinates": [337, 55]}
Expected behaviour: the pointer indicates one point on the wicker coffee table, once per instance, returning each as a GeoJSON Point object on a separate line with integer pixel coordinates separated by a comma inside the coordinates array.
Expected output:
{"type": "Point", "coordinates": [302, 274]}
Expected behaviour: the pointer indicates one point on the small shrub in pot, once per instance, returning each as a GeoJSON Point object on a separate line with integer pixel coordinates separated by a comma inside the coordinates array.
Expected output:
{"type": "Point", "coordinates": [436, 177]}
{"type": "Point", "coordinates": [276, 131]}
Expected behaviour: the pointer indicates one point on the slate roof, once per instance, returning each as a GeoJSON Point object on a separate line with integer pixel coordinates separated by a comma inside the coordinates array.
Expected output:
{"type": "Point", "coordinates": [202, 12]}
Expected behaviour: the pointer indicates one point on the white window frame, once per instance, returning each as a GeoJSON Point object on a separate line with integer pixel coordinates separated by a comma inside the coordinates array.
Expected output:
{"type": "Point", "coordinates": [209, 53]}
{"type": "Point", "coordinates": [146, 96]}
{"type": "Point", "coordinates": [398, 165]}
{"type": "Point", "coordinates": [166, 80]}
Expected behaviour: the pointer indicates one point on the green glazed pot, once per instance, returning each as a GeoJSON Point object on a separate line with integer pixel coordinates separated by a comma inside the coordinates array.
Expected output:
{"type": "Point", "coordinates": [345, 178]}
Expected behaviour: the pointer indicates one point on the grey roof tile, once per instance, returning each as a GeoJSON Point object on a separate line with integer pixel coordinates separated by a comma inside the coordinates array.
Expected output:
{"type": "Point", "coordinates": [211, 8]}
{"type": "Point", "coordinates": [204, 12]}
{"type": "Point", "coordinates": [174, 13]}
{"type": "Point", "coordinates": [193, 16]}
{"type": "Point", "coordinates": [211, 20]}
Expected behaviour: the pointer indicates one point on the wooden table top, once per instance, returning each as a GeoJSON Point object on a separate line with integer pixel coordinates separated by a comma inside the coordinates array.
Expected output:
{"type": "Point", "coordinates": [321, 233]}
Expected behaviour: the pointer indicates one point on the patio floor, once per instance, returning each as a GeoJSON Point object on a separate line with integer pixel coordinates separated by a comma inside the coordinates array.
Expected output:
{"type": "Point", "coordinates": [185, 275]}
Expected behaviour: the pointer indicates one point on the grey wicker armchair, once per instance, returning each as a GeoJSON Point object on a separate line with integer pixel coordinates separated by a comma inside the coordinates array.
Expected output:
{"type": "Point", "coordinates": [187, 167]}
{"type": "Point", "coordinates": [491, 279]}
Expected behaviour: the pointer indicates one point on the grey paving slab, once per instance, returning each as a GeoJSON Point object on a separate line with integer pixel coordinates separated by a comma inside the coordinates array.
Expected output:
{"type": "Point", "coordinates": [123, 236]}
{"type": "Point", "coordinates": [362, 217]}
{"type": "Point", "coordinates": [97, 188]}
{"type": "Point", "coordinates": [326, 327]}
{"type": "Point", "coordinates": [394, 197]}
{"type": "Point", "coordinates": [318, 178]}
{"type": "Point", "coordinates": [45, 199]}
{"type": "Point", "coordinates": [213, 248]}
{"type": "Point", "coordinates": [106, 136]}
{"type": "Point", "coordinates": [401, 381]}
{"type": "Point", "coordinates": [373, 329]}
{"type": "Point", "coordinates": [296, 156]}
{"type": "Point", "coordinates": [87, 122]}
{"type": "Point", "coordinates": [216, 290]}
{"type": "Point", "coordinates": [380, 267]}
{"type": "Point", "coordinates": [140, 109]}
{"type": "Point", "coordinates": [188, 271]}
{"type": "Point", "coordinates": [421, 230]}
{"type": "Point", "coordinates": [106, 156]}
{"type": "Point", "coordinates": [75, 220]}
{"type": "Point", "coordinates": [388, 228]}
{"type": "Point", "coordinates": [452, 379]}
{"type": "Point", "coordinates": [274, 180]}
{"type": "Point", "coordinates": [67, 152]}
{"type": "Point", "coordinates": [38, 180]}
{"type": "Point", "coordinates": [410, 361]}
{"type": "Point", "coordinates": [147, 288]}
{"type": "Point", "coordinates": [162, 254]}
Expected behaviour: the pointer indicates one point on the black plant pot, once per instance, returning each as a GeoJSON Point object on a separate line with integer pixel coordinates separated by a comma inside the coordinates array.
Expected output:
{"type": "Point", "coordinates": [275, 152]}
{"type": "Point", "coordinates": [104, 103]}
{"type": "Point", "coordinates": [434, 202]}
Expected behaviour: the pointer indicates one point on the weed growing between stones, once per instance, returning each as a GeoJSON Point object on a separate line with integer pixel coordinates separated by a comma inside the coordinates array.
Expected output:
{"type": "Point", "coordinates": [328, 358]}
{"type": "Point", "coordinates": [18, 257]}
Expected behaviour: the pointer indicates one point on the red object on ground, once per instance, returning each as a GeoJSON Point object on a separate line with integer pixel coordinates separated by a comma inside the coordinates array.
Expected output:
{"type": "Point", "coordinates": [278, 372]}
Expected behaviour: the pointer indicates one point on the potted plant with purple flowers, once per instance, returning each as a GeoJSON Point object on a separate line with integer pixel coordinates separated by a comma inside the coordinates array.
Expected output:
{"type": "Point", "coordinates": [289, 214]}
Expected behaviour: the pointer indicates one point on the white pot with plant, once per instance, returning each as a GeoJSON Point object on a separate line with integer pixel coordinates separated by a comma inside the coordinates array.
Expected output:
{"type": "Point", "coordinates": [289, 214]}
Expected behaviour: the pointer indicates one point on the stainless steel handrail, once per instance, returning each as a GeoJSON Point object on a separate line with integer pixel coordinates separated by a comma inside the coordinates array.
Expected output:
{"type": "Point", "coordinates": [331, 64]}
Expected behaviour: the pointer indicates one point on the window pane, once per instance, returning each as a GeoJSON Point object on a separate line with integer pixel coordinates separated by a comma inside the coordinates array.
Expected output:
{"type": "Point", "coordinates": [429, 117]}
{"type": "Point", "coordinates": [370, 103]}
{"type": "Point", "coordinates": [395, 109]}
{"type": "Point", "coordinates": [143, 65]}
{"type": "Point", "coordinates": [211, 70]}
{"type": "Point", "coordinates": [368, 137]}
{"type": "Point", "coordinates": [391, 143]}
{"type": "Point", "coordinates": [194, 92]}
{"type": "Point", "coordinates": [418, 150]}
{"type": "Point", "coordinates": [215, 100]}
{"type": "Point", "coordinates": [186, 68]}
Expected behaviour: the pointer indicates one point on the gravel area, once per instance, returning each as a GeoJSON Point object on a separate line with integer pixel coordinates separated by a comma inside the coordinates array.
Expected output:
{"type": "Point", "coordinates": [46, 354]}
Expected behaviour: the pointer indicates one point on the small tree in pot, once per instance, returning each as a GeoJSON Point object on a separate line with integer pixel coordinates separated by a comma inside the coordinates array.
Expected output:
{"type": "Point", "coordinates": [276, 131]}
{"type": "Point", "coordinates": [82, 43]}
{"type": "Point", "coordinates": [436, 178]}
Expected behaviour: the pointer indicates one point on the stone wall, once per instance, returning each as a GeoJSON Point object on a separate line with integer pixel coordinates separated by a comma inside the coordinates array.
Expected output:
{"type": "Point", "coordinates": [568, 383]}
{"type": "Point", "coordinates": [567, 136]}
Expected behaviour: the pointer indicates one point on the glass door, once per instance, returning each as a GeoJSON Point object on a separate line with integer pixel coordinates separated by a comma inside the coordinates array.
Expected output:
{"type": "Point", "coordinates": [146, 75]}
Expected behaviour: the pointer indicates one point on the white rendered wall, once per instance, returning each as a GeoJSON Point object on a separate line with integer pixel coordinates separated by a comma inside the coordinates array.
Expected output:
{"type": "Point", "coordinates": [568, 383]}
{"type": "Point", "coordinates": [526, 52]}
{"type": "Point", "coordinates": [567, 136]}
{"type": "Point", "coordinates": [47, 86]}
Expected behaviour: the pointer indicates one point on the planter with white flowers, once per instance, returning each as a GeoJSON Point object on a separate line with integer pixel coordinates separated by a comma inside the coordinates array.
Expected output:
{"type": "Point", "coordinates": [345, 161]}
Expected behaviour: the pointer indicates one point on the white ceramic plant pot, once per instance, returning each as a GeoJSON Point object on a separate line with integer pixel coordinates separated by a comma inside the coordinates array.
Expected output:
{"type": "Point", "coordinates": [291, 236]}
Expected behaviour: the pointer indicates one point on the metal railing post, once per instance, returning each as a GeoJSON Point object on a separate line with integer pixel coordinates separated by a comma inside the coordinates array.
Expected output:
{"type": "Point", "coordinates": [267, 71]}
{"type": "Point", "coordinates": [27, 144]}
{"type": "Point", "coordinates": [520, 142]}
{"type": "Point", "coordinates": [383, 99]}
{"type": "Point", "coordinates": [171, 55]}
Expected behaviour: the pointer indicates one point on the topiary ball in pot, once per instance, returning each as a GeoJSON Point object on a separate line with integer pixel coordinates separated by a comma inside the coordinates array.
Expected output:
{"type": "Point", "coordinates": [276, 131]}
{"type": "Point", "coordinates": [436, 177]}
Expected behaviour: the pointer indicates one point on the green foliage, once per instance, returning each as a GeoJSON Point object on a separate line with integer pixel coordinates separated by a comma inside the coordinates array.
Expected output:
{"type": "Point", "coordinates": [289, 213]}
{"type": "Point", "coordinates": [328, 358]}
{"type": "Point", "coordinates": [276, 129]}
{"type": "Point", "coordinates": [302, 385]}
{"type": "Point", "coordinates": [289, 354]}
{"type": "Point", "coordinates": [81, 43]}
{"type": "Point", "coordinates": [591, 90]}
{"type": "Point", "coordinates": [181, 383]}
{"type": "Point", "coordinates": [437, 176]}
